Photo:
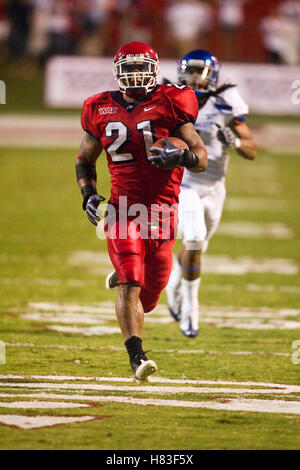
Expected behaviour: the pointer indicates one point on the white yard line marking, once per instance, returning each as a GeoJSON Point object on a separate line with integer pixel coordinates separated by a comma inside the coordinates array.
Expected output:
{"type": "Point", "coordinates": [36, 422]}
{"type": "Point", "coordinates": [255, 230]}
{"type": "Point", "coordinates": [273, 288]}
{"type": "Point", "coordinates": [92, 282]}
{"type": "Point", "coordinates": [219, 264]}
{"type": "Point", "coordinates": [70, 318]}
{"type": "Point", "coordinates": [222, 317]}
{"type": "Point", "coordinates": [81, 258]}
{"type": "Point", "coordinates": [90, 331]}
{"type": "Point", "coordinates": [48, 281]}
{"type": "Point", "coordinates": [214, 264]}
{"type": "Point", "coordinates": [168, 351]}
{"type": "Point", "coordinates": [250, 405]}
{"type": "Point", "coordinates": [266, 288]}
{"type": "Point", "coordinates": [103, 307]}
{"type": "Point", "coordinates": [35, 405]}
{"type": "Point", "coordinates": [204, 313]}
{"type": "Point", "coordinates": [150, 389]}
{"type": "Point", "coordinates": [156, 379]}
{"type": "Point", "coordinates": [252, 324]}
{"type": "Point", "coordinates": [254, 204]}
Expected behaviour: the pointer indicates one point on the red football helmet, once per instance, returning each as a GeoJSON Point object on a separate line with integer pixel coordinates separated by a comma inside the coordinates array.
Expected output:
{"type": "Point", "coordinates": [136, 68]}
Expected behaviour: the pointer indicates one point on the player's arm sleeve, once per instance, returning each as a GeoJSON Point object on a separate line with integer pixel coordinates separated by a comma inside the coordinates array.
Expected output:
{"type": "Point", "coordinates": [185, 106]}
{"type": "Point", "coordinates": [238, 105]}
{"type": "Point", "coordinates": [87, 122]}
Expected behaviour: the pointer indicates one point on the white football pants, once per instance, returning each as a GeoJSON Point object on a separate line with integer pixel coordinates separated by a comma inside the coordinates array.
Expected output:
{"type": "Point", "coordinates": [199, 215]}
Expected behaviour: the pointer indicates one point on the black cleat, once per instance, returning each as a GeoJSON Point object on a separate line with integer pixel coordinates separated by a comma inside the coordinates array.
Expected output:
{"type": "Point", "coordinates": [111, 280]}
{"type": "Point", "coordinates": [142, 367]}
{"type": "Point", "coordinates": [175, 315]}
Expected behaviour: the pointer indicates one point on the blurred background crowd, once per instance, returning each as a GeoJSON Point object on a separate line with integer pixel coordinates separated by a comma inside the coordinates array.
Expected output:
{"type": "Point", "coordinates": [235, 30]}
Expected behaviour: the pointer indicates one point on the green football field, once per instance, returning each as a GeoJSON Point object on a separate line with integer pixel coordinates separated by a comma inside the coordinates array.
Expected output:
{"type": "Point", "coordinates": [66, 382]}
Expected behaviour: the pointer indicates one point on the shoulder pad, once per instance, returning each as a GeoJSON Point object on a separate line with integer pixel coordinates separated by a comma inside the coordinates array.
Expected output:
{"type": "Point", "coordinates": [173, 89]}
{"type": "Point", "coordinates": [98, 98]}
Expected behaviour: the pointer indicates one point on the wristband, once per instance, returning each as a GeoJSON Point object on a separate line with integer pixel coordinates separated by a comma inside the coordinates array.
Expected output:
{"type": "Point", "coordinates": [87, 191]}
{"type": "Point", "coordinates": [85, 170]}
{"type": "Point", "coordinates": [189, 159]}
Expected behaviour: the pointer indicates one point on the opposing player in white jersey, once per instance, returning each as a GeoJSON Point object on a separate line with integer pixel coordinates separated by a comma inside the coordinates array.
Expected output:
{"type": "Point", "coordinates": [221, 124]}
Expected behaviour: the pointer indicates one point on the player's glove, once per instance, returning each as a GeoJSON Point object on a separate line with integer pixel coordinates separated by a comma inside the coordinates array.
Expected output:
{"type": "Point", "coordinates": [91, 201]}
{"type": "Point", "coordinates": [170, 156]}
{"type": "Point", "coordinates": [227, 137]}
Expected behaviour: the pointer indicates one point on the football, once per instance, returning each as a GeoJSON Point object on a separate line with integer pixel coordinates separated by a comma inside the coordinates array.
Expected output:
{"type": "Point", "coordinates": [179, 143]}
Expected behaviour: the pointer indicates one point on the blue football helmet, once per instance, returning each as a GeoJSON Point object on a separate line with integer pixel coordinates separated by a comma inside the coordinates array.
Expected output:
{"type": "Point", "coordinates": [199, 69]}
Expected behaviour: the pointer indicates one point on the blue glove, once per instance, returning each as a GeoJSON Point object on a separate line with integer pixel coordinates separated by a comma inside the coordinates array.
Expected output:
{"type": "Point", "coordinates": [91, 208]}
{"type": "Point", "coordinates": [168, 156]}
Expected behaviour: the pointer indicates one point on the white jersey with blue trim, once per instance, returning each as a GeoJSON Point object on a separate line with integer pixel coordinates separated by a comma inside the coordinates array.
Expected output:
{"type": "Point", "coordinates": [218, 111]}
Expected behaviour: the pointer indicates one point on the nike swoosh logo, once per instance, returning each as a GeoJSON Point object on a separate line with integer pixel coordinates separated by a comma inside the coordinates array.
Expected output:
{"type": "Point", "coordinates": [171, 150]}
{"type": "Point", "coordinates": [148, 109]}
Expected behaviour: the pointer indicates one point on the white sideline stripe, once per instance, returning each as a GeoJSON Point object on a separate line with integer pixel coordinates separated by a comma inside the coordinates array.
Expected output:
{"type": "Point", "coordinates": [149, 389]}
{"type": "Point", "coordinates": [39, 404]}
{"type": "Point", "coordinates": [35, 422]}
{"type": "Point", "coordinates": [169, 351]}
{"type": "Point", "coordinates": [250, 405]}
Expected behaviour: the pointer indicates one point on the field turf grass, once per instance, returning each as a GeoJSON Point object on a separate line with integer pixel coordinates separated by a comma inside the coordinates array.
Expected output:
{"type": "Point", "coordinates": [42, 225]}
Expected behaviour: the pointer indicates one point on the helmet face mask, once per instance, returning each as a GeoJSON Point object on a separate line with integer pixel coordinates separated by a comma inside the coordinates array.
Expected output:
{"type": "Point", "coordinates": [199, 69]}
{"type": "Point", "coordinates": [136, 69]}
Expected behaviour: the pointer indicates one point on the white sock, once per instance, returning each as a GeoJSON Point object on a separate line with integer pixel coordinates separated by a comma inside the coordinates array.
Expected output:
{"type": "Point", "coordinates": [190, 303]}
{"type": "Point", "coordinates": [173, 286]}
{"type": "Point", "coordinates": [175, 277]}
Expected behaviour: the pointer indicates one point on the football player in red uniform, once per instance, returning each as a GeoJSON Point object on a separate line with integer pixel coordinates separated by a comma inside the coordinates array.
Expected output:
{"type": "Point", "coordinates": [126, 124]}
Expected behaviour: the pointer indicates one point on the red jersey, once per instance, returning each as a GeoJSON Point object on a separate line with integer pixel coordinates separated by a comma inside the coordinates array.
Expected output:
{"type": "Point", "coordinates": [127, 131]}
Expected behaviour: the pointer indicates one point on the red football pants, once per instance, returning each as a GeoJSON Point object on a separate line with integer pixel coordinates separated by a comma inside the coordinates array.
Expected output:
{"type": "Point", "coordinates": [144, 262]}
